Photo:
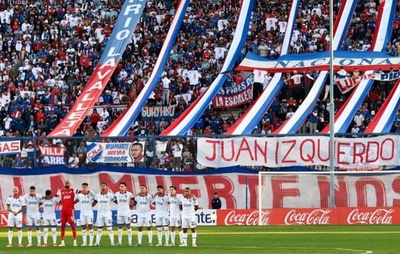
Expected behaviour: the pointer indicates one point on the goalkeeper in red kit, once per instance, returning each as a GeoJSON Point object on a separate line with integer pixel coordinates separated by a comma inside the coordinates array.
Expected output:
{"type": "Point", "coordinates": [67, 199]}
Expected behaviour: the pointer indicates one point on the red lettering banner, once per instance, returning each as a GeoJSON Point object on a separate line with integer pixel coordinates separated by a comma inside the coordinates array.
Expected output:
{"type": "Point", "coordinates": [297, 151]}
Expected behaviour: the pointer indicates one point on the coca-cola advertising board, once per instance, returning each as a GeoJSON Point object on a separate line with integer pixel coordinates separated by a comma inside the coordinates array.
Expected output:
{"type": "Point", "coordinates": [309, 216]}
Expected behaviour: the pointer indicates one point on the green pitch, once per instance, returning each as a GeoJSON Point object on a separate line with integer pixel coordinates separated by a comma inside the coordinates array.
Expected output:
{"type": "Point", "coordinates": [354, 239]}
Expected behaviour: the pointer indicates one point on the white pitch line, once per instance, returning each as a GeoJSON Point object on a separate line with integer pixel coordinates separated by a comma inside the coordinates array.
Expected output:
{"type": "Point", "coordinates": [358, 251]}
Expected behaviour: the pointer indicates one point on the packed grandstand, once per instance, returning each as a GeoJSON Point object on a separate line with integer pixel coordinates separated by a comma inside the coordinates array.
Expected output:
{"type": "Point", "coordinates": [51, 48]}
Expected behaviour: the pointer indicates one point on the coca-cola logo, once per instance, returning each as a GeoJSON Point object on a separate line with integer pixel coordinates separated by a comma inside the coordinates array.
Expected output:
{"type": "Point", "coordinates": [379, 216]}
{"type": "Point", "coordinates": [248, 219]}
{"type": "Point", "coordinates": [316, 216]}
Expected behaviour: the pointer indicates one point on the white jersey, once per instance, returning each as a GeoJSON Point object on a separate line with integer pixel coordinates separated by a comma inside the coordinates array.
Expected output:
{"type": "Point", "coordinates": [104, 203]}
{"type": "Point", "coordinates": [174, 201]}
{"type": "Point", "coordinates": [143, 203]}
{"type": "Point", "coordinates": [188, 206]}
{"type": "Point", "coordinates": [32, 204]}
{"type": "Point", "coordinates": [86, 201]}
{"type": "Point", "coordinates": [49, 206]}
{"type": "Point", "coordinates": [123, 201]}
{"type": "Point", "coordinates": [161, 203]}
{"type": "Point", "coordinates": [219, 52]}
{"type": "Point", "coordinates": [194, 77]}
{"type": "Point", "coordinates": [16, 203]}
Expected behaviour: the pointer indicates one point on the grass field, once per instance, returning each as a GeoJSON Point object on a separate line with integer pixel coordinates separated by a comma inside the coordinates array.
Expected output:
{"type": "Point", "coordinates": [354, 239]}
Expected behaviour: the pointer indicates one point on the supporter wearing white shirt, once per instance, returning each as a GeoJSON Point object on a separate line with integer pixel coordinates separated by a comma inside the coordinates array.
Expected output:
{"type": "Point", "coordinates": [33, 201]}
{"type": "Point", "coordinates": [85, 199]}
{"type": "Point", "coordinates": [123, 199]}
{"type": "Point", "coordinates": [15, 205]}
{"type": "Point", "coordinates": [259, 76]}
{"type": "Point", "coordinates": [161, 202]}
{"type": "Point", "coordinates": [143, 201]}
{"type": "Point", "coordinates": [49, 217]}
{"type": "Point", "coordinates": [189, 205]}
{"type": "Point", "coordinates": [104, 215]}
{"type": "Point", "coordinates": [73, 161]}
{"type": "Point", "coordinates": [177, 149]}
{"type": "Point", "coordinates": [175, 214]}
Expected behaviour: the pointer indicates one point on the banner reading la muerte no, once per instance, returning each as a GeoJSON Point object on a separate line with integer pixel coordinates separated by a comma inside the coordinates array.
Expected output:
{"type": "Point", "coordinates": [298, 151]}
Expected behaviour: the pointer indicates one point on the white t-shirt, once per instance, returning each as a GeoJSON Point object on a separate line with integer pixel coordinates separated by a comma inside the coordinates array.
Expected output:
{"type": "Point", "coordinates": [16, 203]}
{"type": "Point", "coordinates": [123, 201]}
{"type": "Point", "coordinates": [194, 77]}
{"type": "Point", "coordinates": [219, 52]}
{"type": "Point", "coordinates": [271, 23]}
{"type": "Point", "coordinates": [32, 204]}
{"type": "Point", "coordinates": [86, 201]}
{"type": "Point", "coordinates": [259, 76]}
{"type": "Point", "coordinates": [143, 203]}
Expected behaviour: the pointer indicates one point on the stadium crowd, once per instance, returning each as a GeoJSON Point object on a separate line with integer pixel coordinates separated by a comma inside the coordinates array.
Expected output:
{"type": "Point", "coordinates": [50, 48]}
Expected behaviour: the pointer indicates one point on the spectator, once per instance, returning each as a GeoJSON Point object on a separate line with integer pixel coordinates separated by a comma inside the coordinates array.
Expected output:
{"type": "Point", "coordinates": [73, 161]}
{"type": "Point", "coordinates": [18, 162]}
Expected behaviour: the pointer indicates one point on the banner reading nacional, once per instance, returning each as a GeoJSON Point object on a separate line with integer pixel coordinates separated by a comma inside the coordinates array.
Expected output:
{"type": "Point", "coordinates": [123, 152]}
{"type": "Point", "coordinates": [231, 97]}
{"type": "Point", "coordinates": [297, 151]}
{"type": "Point", "coordinates": [321, 61]}
{"type": "Point", "coordinates": [346, 84]}
{"type": "Point", "coordinates": [122, 33]}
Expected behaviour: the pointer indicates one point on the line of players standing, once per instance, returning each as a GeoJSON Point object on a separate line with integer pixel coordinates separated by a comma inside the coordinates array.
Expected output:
{"type": "Point", "coordinates": [172, 211]}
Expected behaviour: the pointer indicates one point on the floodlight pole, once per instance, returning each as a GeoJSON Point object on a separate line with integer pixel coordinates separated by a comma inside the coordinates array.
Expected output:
{"type": "Point", "coordinates": [331, 111]}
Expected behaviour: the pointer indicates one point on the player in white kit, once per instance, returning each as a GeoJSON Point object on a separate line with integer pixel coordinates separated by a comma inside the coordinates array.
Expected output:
{"type": "Point", "coordinates": [49, 217]}
{"type": "Point", "coordinates": [188, 205]}
{"type": "Point", "coordinates": [161, 202]}
{"type": "Point", "coordinates": [124, 200]}
{"type": "Point", "coordinates": [33, 201]}
{"type": "Point", "coordinates": [104, 214]}
{"type": "Point", "coordinates": [15, 206]}
{"type": "Point", "coordinates": [175, 220]}
{"type": "Point", "coordinates": [142, 202]}
{"type": "Point", "coordinates": [85, 198]}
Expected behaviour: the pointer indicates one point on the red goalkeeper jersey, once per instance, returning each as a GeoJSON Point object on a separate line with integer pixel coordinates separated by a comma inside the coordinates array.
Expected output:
{"type": "Point", "coordinates": [67, 198]}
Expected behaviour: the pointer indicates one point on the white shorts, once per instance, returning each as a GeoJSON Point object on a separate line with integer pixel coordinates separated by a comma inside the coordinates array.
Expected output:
{"type": "Point", "coordinates": [49, 220]}
{"type": "Point", "coordinates": [104, 220]}
{"type": "Point", "coordinates": [124, 219]}
{"type": "Point", "coordinates": [144, 220]}
{"type": "Point", "coordinates": [189, 222]}
{"type": "Point", "coordinates": [175, 222]}
{"type": "Point", "coordinates": [162, 220]}
{"type": "Point", "coordinates": [14, 220]}
{"type": "Point", "coordinates": [33, 220]}
{"type": "Point", "coordinates": [86, 219]}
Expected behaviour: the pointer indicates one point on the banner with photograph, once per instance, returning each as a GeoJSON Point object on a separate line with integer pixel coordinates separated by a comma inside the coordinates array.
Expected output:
{"type": "Point", "coordinates": [231, 97]}
{"type": "Point", "coordinates": [53, 155]}
{"type": "Point", "coordinates": [124, 152]}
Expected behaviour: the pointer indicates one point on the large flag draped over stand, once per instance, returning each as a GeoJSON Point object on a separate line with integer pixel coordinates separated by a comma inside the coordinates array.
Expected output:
{"type": "Point", "coordinates": [123, 30]}
{"type": "Point", "coordinates": [121, 126]}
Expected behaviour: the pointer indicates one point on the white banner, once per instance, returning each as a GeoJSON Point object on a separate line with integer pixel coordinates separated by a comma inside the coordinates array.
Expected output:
{"type": "Point", "coordinates": [236, 190]}
{"type": "Point", "coordinates": [346, 84]}
{"type": "Point", "coordinates": [10, 147]}
{"type": "Point", "coordinates": [297, 151]}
